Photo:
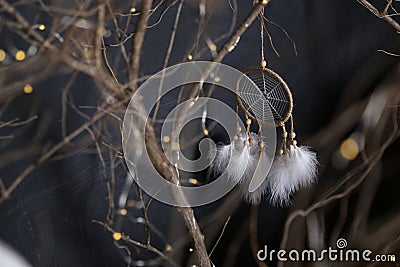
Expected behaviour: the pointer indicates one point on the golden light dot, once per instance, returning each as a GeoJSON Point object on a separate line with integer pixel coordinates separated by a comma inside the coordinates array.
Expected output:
{"type": "Point", "coordinates": [264, 2]}
{"type": "Point", "coordinates": [2, 55]}
{"type": "Point", "coordinates": [133, 10]}
{"type": "Point", "coordinates": [166, 139]}
{"type": "Point", "coordinates": [193, 181]}
{"type": "Point", "coordinates": [42, 27]}
{"type": "Point", "coordinates": [192, 104]}
{"type": "Point", "coordinates": [101, 31]}
{"type": "Point", "coordinates": [130, 203]}
{"type": "Point", "coordinates": [213, 47]}
{"type": "Point", "coordinates": [231, 48]}
{"type": "Point", "coordinates": [87, 53]}
{"type": "Point", "coordinates": [117, 236]}
{"type": "Point", "coordinates": [28, 89]}
{"type": "Point", "coordinates": [136, 133]}
{"type": "Point", "coordinates": [190, 57]}
{"type": "Point", "coordinates": [191, 249]}
{"type": "Point", "coordinates": [205, 132]}
{"type": "Point", "coordinates": [20, 55]}
{"type": "Point", "coordinates": [123, 212]}
{"type": "Point", "coordinates": [217, 79]}
{"type": "Point", "coordinates": [349, 149]}
{"type": "Point", "coordinates": [168, 247]}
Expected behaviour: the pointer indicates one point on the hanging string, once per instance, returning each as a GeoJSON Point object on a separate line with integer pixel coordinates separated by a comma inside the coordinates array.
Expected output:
{"type": "Point", "coordinates": [292, 134]}
{"type": "Point", "coordinates": [262, 35]}
{"type": "Point", "coordinates": [238, 129]}
{"type": "Point", "coordinates": [248, 123]}
{"type": "Point", "coordinates": [284, 136]}
{"type": "Point", "coordinates": [260, 143]}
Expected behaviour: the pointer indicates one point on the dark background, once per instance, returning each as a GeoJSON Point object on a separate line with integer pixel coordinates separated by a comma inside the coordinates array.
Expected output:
{"type": "Point", "coordinates": [48, 218]}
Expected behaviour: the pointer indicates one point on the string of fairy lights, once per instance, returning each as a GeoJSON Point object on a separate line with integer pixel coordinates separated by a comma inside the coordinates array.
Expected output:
{"type": "Point", "coordinates": [18, 55]}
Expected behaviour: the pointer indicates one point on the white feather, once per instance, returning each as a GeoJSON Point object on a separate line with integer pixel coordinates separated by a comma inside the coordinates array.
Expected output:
{"type": "Point", "coordinates": [256, 196]}
{"type": "Point", "coordinates": [240, 162]}
{"type": "Point", "coordinates": [304, 164]}
{"type": "Point", "coordinates": [237, 159]}
{"type": "Point", "coordinates": [222, 155]}
{"type": "Point", "coordinates": [232, 159]}
{"type": "Point", "coordinates": [280, 183]}
{"type": "Point", "coordinates": [290, 172]}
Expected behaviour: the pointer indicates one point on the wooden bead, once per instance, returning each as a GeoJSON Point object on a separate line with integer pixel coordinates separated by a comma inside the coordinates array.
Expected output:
{"type": "Point", "coordinates": [263, 63]}
{"type": "Point", "coordinates": [280, 151]}
{"type": "Point", "coordinates": [293, 142]}
{"type": "Point", "coordinates": [260, 144]}
{"type": "Point", "coordinates": [250, 140]}
{"type": "Point", "coordinates": [246, 142]}
{"type": "Point", "coordinates": [292, 135]}
{"type": "Point", "coordinates": [235, 138]}
{"type": "Point", "coordinates": [248, 121]}
{"type": "Point", "coordinates": [284, 134]}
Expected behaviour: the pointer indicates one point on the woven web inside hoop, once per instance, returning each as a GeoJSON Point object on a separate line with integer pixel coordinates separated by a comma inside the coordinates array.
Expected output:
{"type": "Point", "coordinates": [273, 93]}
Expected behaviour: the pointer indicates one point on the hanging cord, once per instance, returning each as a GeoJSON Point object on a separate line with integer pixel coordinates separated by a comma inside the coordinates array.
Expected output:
{"type": "Point", "coordinates": [292, 134]}
{"type": "Point", "coordinates": [263, 62]}
{"type": "Point", "coordinates": [261, 146]}
{"type": "Point", "coordinates": [248, 124]}
{"type": "Point", "coordinates": [238, 128]}
{"type": "Point", "coordinates": [249, 140]}
{"type": "Point", "coordinates": [283, 149]}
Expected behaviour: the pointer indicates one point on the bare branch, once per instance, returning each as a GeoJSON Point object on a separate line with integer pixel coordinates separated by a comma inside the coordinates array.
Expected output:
{"type": "Point", "coordinates": [137, 43]}
{"type": "Point", "coordinates": [381, 14]}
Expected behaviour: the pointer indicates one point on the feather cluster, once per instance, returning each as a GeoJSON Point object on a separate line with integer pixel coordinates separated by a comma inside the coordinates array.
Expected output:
{"type": "Point", "coordinates": [289, 172]}
{"type": "Point", "coordinates": [240, 160]}
{"type": "Point", "coordinates": [236, 159]}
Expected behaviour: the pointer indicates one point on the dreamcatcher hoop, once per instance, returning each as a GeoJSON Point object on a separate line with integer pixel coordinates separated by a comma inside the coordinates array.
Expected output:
{"type": "Point", "coordinates": [274, 92]}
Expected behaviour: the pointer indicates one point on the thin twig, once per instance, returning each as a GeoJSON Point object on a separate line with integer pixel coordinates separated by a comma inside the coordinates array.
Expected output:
{"type": "Point", "coordinates": [137, 43]}
{"type": "Point", "coordinates": [388, 53]}
{"type": "Point", "coordinates": [137, 243]}
{"type": "Point", "coordinates": [167, 56]}
{"type": "Point", "coordinates": [220, 236]}
{"type": "Point", "coordinates": [380, 14]}
{"type": "Point", "coordinates": [253, 227]}
{"type": "Point", "coordinates": [42, 159]}
{"type": "Point", "coordinates": [98, 34]}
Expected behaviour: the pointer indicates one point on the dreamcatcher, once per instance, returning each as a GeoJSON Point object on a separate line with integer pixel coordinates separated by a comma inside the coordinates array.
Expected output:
{"type": "Point", "coordinates": [293, 166]}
